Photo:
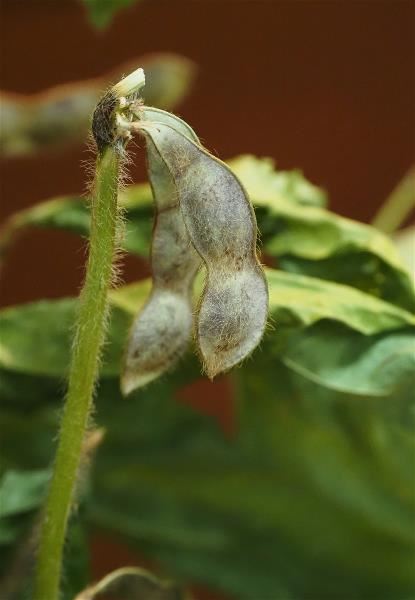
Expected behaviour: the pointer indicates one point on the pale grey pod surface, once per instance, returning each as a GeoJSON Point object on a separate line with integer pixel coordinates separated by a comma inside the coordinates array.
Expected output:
{"type": "Point", "coordinates": [232, 317]}
{"type": "Point", "coordinates": [159, 336]}
{"type": "Point", "coordinates": [215, 207]}
{"type": "Point", "coordinates": [161, 332]}
{"type": "Point", "coordinates": [151, 114]}
{"type": "Point", "coordinates": [222, 227]}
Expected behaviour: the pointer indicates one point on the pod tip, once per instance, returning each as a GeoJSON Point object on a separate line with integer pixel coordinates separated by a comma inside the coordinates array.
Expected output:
{"type": "Point", "coordinates": [131, 381]}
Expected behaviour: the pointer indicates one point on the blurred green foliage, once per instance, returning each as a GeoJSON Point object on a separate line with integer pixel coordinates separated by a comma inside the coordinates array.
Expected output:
{"type": "Point", "coordinates": [313, 496]}
{"type": "Point", "coordinates": [101, 12]}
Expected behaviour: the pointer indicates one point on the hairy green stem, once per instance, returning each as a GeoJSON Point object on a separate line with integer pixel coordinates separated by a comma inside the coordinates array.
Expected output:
{"type": "Point", "coordinates": [89, 338]}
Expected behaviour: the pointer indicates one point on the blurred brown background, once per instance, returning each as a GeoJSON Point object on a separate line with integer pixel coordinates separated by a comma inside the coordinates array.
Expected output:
{"type": "Point", "coordinates": [327, 87]}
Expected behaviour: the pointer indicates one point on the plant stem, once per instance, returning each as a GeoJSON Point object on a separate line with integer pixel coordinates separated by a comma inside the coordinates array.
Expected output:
{"type": "Point", "coordinates": [86, 350]}
{"type": "Point", "coordinates": [397, 206]}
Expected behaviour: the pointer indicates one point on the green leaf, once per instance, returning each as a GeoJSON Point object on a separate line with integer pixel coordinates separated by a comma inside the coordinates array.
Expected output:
{"type": "Point", "coordinates": [294, 227]}
{"type": "Point", "coordinates": [306, 504]}
{"type": "Point", "coordinates": [35, 338]}
{"type": "Point", "coordinates": [348, 362]}
{"type": "Point", "coordinates": [312, 241]}
{"type": "Point", "coordinates": [71, 213]}
{"type": "Point", "coordinates": [305, 300]}
{"type": "Point", "coordinates": [311, 497]}
{"type": "Point", "coordinates": [252, 519]}
{"type": "Point", "coordinates": [101, 12]}
{"type": "Point", "coordinates": [308, 239]}
{"type": "Point", "coordinates": [264, 184]}
{"type": "Point", "coordinates": [22, 491]}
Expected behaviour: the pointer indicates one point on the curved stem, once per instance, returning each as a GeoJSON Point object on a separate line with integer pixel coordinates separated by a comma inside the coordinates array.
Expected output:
{"type": "Point", "coordinates": [397, 206]}
{"type": "Point", "coordinates": [89, 338]}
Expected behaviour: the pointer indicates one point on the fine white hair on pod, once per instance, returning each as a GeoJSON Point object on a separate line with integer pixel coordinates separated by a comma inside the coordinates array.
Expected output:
{"type": "Point", "coordinates": [161, 332]}
{"type": "Point", "coordinates": [220, 222]}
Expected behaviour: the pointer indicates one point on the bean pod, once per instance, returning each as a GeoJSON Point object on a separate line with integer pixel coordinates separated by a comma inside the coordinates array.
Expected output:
{"type": "Point", "coordinates": [161, 332]}
{"type": "Point", "coordinates": [220, 221]}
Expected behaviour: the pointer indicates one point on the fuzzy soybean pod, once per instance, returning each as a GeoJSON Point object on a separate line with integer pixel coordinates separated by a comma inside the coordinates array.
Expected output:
{"type": "Point", "coordinates": [219, 218]}
{"type": "Point", "coordinates": [162, 330]}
